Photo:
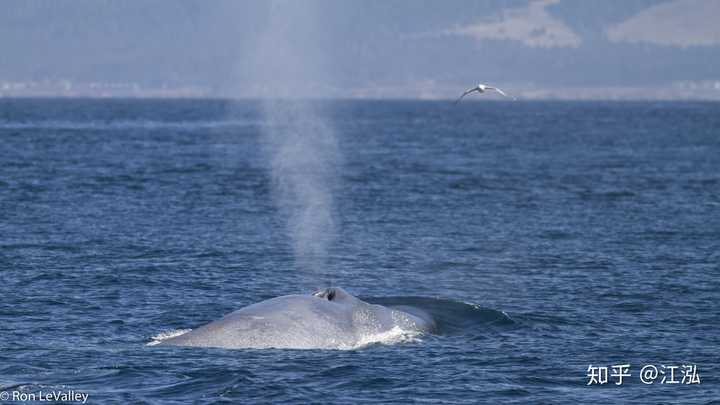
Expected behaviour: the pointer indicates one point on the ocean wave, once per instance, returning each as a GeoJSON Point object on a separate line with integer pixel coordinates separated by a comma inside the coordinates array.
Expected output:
{"type": "Point", "coordinates": [451, 317]}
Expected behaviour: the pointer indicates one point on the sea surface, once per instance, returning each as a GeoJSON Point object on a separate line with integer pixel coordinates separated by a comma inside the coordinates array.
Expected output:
{"type": "Point", "coordinates": [547, 237]}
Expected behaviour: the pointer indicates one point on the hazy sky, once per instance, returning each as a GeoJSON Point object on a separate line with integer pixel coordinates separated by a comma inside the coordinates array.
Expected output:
{"type": "Point", "coordinates": [365, 45]}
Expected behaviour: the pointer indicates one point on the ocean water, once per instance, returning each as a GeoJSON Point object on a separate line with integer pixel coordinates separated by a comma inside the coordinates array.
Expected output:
{"type": "Point", "coordinates": [545, 236]}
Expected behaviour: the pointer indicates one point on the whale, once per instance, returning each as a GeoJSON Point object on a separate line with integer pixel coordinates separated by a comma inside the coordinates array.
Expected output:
{"type": "Point", "coordinates": [330, 318]}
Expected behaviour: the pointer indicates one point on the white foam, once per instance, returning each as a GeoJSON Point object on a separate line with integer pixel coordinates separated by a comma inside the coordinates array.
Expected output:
{"type": "Point", "coordinates": [160, 337]}
{"type": "Point", "coordinates": [390, 337]}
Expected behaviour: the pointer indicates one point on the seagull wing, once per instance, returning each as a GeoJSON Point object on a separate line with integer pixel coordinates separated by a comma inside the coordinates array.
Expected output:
{"type": "Point", "coordinates": [468, 91]}
{"type": "Point", "coordinates": [500, 91]}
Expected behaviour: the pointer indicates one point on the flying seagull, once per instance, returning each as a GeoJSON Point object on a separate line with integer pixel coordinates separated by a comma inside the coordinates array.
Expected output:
{"type": "Point", "coordinates": [481, 88]}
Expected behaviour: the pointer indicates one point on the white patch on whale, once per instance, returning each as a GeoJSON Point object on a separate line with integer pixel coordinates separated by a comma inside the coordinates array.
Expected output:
{"type": "Point", "coordinates": [328, 319]}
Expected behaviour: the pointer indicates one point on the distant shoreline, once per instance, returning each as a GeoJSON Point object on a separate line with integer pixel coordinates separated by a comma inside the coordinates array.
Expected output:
{"type": "Point", "coordinates": [350, 99]}
{"type": "Point", "coordinates": [704, 90]}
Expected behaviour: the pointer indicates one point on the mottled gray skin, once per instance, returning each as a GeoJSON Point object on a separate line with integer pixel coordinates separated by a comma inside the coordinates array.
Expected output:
{"type": "Point", "coordinates": [328, 319]}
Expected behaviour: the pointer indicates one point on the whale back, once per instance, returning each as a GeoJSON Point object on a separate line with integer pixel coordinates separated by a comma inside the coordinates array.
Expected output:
{"type": "Point", "coordinates": [302, 322]}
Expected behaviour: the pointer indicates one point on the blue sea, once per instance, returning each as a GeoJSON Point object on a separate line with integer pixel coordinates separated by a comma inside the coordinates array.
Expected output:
{"type": "Point", "coordinates": [547, 238]}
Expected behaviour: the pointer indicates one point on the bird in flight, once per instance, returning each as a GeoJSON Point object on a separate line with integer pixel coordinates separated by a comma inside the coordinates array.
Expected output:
{"type": "Point", "coordinates": [481, 88]}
